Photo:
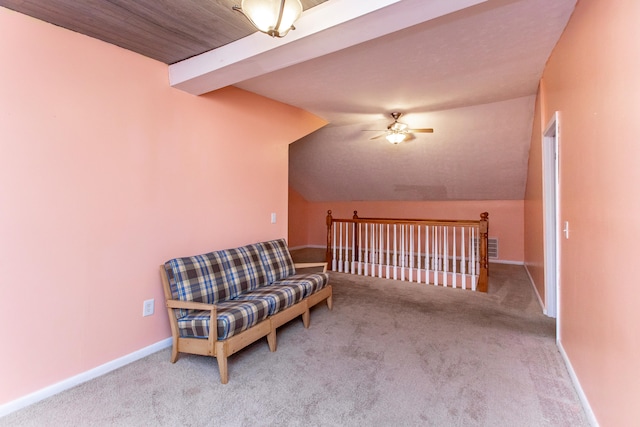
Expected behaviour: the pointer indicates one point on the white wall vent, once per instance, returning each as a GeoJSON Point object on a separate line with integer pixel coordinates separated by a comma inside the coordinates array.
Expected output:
{"type": "Point", "coordinates": [492, 247]}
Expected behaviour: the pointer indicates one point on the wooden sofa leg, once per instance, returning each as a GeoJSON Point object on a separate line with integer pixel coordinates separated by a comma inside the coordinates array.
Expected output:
{"type": "Point", "coordinates": [174, 351]}
{"type": "Point", "coordinates": [222, 367]}
{"type": "Point", "coordinates": [330, 302]}
{"type": "Point", "coordinates": [221, 356]}
{"type": "Point", "coordinates": [305, 318]}
{"type": "Point", "coordinates": [272, 340]}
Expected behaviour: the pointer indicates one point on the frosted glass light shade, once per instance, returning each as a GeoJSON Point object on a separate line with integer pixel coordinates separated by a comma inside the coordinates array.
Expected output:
{"type": "Point", "coordinates": [398, 127]}
{"type": "Point", "coordinates": [265, 15]}
{"type": "Point", "coordinates": [396, 137]}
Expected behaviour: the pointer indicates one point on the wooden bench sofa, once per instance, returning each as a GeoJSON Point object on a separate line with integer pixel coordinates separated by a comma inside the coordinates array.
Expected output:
{"type": "Point", "coordinates": [250, 291]}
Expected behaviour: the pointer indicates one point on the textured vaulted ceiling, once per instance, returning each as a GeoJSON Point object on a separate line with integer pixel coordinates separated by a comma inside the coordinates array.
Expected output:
{"type": "Point", "coordinates": [472, 75]}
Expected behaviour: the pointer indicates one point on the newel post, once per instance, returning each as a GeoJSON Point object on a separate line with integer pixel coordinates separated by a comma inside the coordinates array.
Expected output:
{"type": "Point", "coordinates": [328, 257]}
{"type": "Point", "coordinates": [483, 280]}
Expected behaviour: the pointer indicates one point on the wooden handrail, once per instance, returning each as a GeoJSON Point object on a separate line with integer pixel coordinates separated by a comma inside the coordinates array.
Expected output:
{"type": "Point", "coordinates": [482, 227]}
{"type": "Point", "coordinates": [459, 222]}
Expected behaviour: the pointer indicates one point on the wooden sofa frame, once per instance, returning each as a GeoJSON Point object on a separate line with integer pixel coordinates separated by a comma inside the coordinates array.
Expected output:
{"type": "Point", "coordinates": [222, 349]}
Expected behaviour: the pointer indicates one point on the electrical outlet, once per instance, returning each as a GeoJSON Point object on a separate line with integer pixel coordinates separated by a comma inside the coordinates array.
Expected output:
{"type": "Point", "coordinates": [273, 217]}
{"type": "Point", "coordinates": [147, 307]}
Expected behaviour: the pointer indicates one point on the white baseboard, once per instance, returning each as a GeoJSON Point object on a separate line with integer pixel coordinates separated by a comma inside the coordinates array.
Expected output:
{"type": "Point", "coordinates": [533, 285]}
{"type": "Point", "coordinates": [308, 247]}
{"type": "Point", "coordinates": [68, 383]}
{"type": "Point", "coordinates": [505, 261]}
{"type": "Point", "coordinates": [591, 417]}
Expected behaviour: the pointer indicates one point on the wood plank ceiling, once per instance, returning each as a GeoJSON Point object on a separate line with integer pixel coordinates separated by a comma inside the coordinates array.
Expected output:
{"type": "Point", "coordinates": [166, 30]}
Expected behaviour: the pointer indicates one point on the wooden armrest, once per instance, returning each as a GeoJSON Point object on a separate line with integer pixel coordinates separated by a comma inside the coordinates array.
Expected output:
{"type": "Point", "coordinates": [312, 264]}
{"type": "Point", "coordinates": [189, 305]}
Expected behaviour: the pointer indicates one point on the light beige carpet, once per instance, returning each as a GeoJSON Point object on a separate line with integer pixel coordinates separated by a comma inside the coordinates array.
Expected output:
{"type": "Point", "coordinates": [389, 354]}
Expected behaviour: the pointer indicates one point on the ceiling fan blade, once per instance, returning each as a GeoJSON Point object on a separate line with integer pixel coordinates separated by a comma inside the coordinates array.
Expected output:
{"type": "Point", "coordinates": [379, 136]}
{"type": "Point", "coordinates": [420, 130]}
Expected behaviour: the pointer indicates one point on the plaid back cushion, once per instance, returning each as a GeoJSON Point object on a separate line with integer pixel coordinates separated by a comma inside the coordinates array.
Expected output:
{"type": "Point", "coordinates": [199, 278]}
{"type": "Point", "coordinates": [277, 260]}
{"type": "Point", "coordinates": [243, 268]}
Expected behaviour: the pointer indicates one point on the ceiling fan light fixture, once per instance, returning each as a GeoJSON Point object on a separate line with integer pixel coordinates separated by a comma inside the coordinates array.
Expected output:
{"type": "Point", "coordinates": [398, 127]}
{"type": "Point", "coordinates": [396, 137]}
{"type": "Point", "coordinates": [272, 17]}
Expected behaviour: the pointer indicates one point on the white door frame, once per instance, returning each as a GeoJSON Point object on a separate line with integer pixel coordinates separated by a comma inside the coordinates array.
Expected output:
{"type": "Point", "coordinates": [551, 218]}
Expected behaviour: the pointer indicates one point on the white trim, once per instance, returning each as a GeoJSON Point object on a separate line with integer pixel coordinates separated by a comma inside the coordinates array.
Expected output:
{"type": "Point", "coordinates": [68, 383]}
{"type": "Point", "coordinates": [295, 248]}
{"type": "Point", "coordinates": [533, 285]}
{"type": "Point", "coordinates": [551, 216]}
{"type": "Point", "coordinates": [591, 417]}
{"type": "Point", "coordinates": [505, 261]}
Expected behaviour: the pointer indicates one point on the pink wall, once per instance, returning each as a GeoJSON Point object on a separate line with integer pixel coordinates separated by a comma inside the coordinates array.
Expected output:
{"type": "Point", "coordinates": [298, 219]}
{"type": "Point", "coordinates": [505, 218]}
{"type": "Point", "coordinates": [106, 173]}
{"type": "Point", "coordinates": [533, 209]}
{"type": "Point", "coordinates": [592, 80]}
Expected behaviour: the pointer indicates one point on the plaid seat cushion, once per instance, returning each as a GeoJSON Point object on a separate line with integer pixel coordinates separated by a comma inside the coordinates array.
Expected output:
{"type": "Point", "coordinates": [312, 283]}
{"type": "Point", "coordinates": [199, 278]}
{"type": "Point", "coordinates": [277, 260]}
{"type": "Point", "coordinates": [243, 268]}
{"type": "Point", "coordinates": [233, 318]}
{"type": "Point", "coordinates": [278, 297]}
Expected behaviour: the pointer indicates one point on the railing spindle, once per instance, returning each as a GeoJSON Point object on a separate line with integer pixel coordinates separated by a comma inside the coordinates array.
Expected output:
{"type": "Point", "coordinates": [353, 248]}
{"type": "Point", "coordinates": [437, 251]}
{"type": "Point", "coordinates": [346, 248]}
{"type": "Point", "coordinates": [334, 262]}
{"type": "Point", "coordinates": [418, 279]}
{"type": "Point", "coordinates": [411, 253]}
{"type": "Point", "coordinates": [395, 252]}
{"type": "Point", "coordinates": [366, 249]}
{"type": "Point", "coordinates": [427, 261]}
{"type": "Point", "coordinates": [455, 267]}
{"type": "Point", "coordinates": [340, 260]}
{"type": "Point", "coordinates": [472, 253]}
{"type": "Point", "coordinates": [381, 249]}
{"type": "Point", "coordinates": [372, 252]}
{"type": "Point", "coordinates": [445, 258]}
{"type": "Point", "coordinates": [359, 249]}
{"type": "Point", "coordinates": [463, 261]}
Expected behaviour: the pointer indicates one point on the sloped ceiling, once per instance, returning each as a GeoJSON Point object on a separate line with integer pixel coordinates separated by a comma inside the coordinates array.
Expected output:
{"type": "Point", "coordinates": [472, 75]}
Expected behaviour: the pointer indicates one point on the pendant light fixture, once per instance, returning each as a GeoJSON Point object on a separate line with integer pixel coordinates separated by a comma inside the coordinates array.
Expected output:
{"type": "Point", "coordinates": [396, 137]}
{"type": "Point", "coordinates": [397, 132]}
{"type": "Point", "coordinates": [273, 17]}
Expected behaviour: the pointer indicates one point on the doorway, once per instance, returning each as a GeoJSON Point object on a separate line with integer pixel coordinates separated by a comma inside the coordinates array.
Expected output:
{"type": "Point", "coordinates": [551, 222]}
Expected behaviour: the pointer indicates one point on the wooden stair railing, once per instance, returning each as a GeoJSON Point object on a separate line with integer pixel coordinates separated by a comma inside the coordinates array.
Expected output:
{"type": "Point", "coordinates": [441, 252]}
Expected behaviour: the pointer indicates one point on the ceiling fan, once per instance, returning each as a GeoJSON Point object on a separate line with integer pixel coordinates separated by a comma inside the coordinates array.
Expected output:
{"type": "Point", "coordinates": [397, 131]}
